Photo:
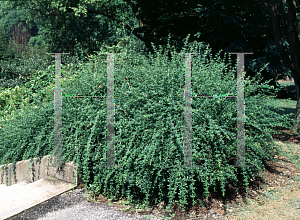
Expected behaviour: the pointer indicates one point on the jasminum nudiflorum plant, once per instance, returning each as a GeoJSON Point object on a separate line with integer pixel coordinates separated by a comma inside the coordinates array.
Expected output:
{"type": "Point", "coordinates": [149, 126]}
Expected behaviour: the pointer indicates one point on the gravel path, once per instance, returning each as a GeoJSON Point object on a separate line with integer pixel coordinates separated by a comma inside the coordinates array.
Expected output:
{"type": "Point", "coordinates": [74, 205]}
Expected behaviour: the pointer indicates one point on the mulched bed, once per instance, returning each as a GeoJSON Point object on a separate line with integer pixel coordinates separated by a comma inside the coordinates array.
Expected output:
{"type": "Point", "coordinates": [291, 138]}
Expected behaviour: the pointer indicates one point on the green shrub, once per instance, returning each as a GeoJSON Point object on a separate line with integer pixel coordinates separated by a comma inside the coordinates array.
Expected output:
{"type": "Point", "coordinates": [16, 71]}
{"type": "Point", "coordinates": [149, 128]}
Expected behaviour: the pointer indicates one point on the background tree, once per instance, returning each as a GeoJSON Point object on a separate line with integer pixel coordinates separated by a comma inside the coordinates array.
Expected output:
{"type": "Point", "coordinates": [60, 27]}
{"type": "Point", "coordinates": [231, 26]}
{"type": "Point", "coordinates": [284, 22]}
{"type": "Point", "coordinates": [6, 50]}
{"type": "Point", "coordinates": [16, 30]}
{"type": "Point", "coordinates": [20, 34]}
{"type": "Point", "coordinates": [3, 43]}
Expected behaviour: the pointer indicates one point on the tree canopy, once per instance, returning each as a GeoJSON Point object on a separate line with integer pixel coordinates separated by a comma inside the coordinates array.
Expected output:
{"type": "Point", "coordinates": [82, 26]}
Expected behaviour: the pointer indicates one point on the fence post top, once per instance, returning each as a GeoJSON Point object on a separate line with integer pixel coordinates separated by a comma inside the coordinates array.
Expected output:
{"type": "Point", "coordinates": [108, 53]}
{"type": "Point", "coordinates": [187, 53]}
{"type": "Point", "coordinates": [53, 54]}
{"type": "Point", "coordinates": [240, 53]}
{"type": "Point", "coordinates": [57, 53]}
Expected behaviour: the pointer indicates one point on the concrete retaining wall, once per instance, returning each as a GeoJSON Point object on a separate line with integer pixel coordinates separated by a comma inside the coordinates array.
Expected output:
{"type": "Point", "coordinates": [40, 169]}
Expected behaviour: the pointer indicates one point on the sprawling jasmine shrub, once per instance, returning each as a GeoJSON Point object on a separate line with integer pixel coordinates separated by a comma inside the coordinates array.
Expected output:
{"type": "Point", "coordinates": [149, 127]}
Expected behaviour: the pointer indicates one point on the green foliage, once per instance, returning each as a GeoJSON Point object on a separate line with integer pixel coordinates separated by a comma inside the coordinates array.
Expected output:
{"type": "Point", "coordinates": [37, 41]}
{"type": "Point", "coordinates": [17, 69]}
{"type": "Point", "coordinates": [231, 26]}
{"type": "Point", "coordinates": [149, 125]}
{"type": "Point", "coordinates": [12, 18]}
{"type": "Point", "coordinates": [2, 42]}
{"type": "Point", "coordinates": [24, 82]}
{"type": "Point", "coordinates": [6, 49]}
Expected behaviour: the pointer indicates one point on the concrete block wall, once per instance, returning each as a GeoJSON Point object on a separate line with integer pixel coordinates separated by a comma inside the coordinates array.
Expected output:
{"type": "Point", "coordinates": [39, 169]}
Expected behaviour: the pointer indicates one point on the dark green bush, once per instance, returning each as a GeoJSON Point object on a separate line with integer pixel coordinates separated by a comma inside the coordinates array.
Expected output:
{"type": "Point", "coordinates": [149, 128]}
{"type": "Point", "coordinates": [16, 71]}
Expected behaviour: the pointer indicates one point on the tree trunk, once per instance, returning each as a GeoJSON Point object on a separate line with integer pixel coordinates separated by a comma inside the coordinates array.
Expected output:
{"type": "Point", "coordinates": [297, 113]}
{"type": "Point", "coordinates": [290, 30]}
